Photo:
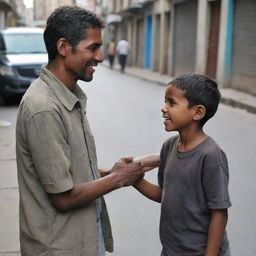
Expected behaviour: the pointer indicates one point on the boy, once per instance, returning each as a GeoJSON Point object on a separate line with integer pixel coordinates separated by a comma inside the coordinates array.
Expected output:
{"type": "Point", "coordinates": [193, 173]}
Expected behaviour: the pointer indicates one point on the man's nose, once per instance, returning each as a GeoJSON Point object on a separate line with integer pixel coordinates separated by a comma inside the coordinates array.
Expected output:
{"type": "Point", "coordinates": [99, 56]}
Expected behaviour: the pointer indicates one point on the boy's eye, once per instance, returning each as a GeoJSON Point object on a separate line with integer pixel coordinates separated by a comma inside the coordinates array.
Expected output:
{"type": "Point", "coordinates": [171, 101]}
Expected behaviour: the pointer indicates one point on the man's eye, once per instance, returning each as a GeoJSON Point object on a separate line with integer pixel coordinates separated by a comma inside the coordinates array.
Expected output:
{"type": "Point", "coordinates": [93, 49]}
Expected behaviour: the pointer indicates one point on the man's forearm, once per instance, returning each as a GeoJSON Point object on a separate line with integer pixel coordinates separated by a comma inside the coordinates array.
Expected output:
{"type": "Point", "coordinates": [83, 193]}
{"type": "Point", "coordinates": [122, 174]}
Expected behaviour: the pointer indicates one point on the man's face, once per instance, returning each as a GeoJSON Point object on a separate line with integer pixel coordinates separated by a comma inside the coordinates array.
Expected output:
{"type": "Point", "coordinates": [86, 55]}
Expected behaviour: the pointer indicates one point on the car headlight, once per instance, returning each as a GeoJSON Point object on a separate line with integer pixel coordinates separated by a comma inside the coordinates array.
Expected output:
{"type": "Point", "coordinates": [6, 71]}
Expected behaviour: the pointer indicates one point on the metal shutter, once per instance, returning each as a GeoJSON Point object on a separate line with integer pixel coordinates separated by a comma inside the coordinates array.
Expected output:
{"type": "Point", "coordinates": [243, 69]}
{"type": "Point", "coordinates": [185, 37]}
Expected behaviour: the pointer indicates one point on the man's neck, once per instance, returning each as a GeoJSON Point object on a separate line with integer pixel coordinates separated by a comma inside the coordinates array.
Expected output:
{"type": "Point", "coordinates": [65, 77]}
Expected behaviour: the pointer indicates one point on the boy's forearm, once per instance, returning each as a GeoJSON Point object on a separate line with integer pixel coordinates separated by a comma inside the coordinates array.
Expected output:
{"type": "Point", "coordinates": [216, 231]}
{"type": "Point", "coordinates": [149, 162]}
{"type": "Point", "coordinates": [151, 191]}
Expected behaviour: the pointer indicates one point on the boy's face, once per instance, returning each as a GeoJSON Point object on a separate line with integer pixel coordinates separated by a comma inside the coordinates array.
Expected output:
{"type": "Point", "coordinates": [175, 111]}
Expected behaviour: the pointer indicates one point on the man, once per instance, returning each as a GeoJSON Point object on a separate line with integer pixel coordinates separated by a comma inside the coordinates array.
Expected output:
{"type": "Point", "coordinates": [122, 48]}
{"type": "Point", "coordinates": [62, 211]}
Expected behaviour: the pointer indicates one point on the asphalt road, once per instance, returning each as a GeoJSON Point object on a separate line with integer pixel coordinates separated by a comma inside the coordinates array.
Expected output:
{"type": "Point", "coordinates": [124, 113]}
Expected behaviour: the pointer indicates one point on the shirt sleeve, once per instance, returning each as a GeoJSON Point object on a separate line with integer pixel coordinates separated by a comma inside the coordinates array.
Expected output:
{"type": "Point", "coordinates": [50, 151]}
{"type": "Point", "coordinates": [215, 184]}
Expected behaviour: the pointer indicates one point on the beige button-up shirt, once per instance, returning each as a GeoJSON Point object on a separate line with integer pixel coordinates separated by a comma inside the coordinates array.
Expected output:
{"type": "Point", "coordinates": [55, 150]}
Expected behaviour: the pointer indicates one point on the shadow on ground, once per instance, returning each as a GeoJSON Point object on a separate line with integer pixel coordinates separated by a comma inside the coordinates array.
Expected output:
{"type": "Point", "coordinates": [11, 101]}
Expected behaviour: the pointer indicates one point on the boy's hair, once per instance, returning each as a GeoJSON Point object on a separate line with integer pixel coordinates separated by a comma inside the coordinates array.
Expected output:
{"type": "Point", "coordinates": [199, 90]}
{"type": "Point", "coordinates": [71, 23]}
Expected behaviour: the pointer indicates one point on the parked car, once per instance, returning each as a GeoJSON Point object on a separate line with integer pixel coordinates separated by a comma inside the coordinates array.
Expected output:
{"type": "Point", "coordinates": [22, 53]}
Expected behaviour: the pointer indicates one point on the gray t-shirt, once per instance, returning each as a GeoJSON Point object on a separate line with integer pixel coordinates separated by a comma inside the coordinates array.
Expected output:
{"type": "Point", "coordinates": [193, 182]}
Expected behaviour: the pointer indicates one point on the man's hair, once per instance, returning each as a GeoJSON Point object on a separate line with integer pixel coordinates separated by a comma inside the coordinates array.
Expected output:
{"type": "Point", "coordinates": [199, 90]}
{"type": "Point", "coordinates": [71, 23]}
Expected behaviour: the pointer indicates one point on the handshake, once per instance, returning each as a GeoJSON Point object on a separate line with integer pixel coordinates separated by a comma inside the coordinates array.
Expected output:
{"type": "Point", "coordinates": [128, 170]}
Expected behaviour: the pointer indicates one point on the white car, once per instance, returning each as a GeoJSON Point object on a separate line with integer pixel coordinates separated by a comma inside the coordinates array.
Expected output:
{"type": "Point", "coordinates": [22, 53]}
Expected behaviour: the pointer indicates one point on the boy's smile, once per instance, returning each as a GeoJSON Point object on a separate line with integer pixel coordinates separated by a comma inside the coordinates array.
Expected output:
{"type": "Point", "coordinates": [175, 111]}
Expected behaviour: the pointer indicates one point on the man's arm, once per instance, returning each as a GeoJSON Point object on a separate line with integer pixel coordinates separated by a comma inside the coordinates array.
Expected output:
{"type": "Point", "coordinates": [149, 190]}
{"type": "Point", "coordinates": [122, 174]}
{"type": "Point", "coordinates": [216, 231]}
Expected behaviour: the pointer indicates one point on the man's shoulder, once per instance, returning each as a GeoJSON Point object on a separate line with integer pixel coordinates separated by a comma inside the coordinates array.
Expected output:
{"type": "Point", "coordinates": [38, 98]}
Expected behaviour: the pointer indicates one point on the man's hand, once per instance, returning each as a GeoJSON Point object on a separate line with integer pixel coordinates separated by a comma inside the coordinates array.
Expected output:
{"type": "Point", "coordinates": [127, 172]}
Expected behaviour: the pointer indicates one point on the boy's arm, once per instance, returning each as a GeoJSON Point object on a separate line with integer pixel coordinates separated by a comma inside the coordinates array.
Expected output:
{"type": "Point", "coordinates": [149, 162]}
{"type": "Point", "coordinates": [151, 191]}
{"type": "Point", "coordinates": [216, 231]}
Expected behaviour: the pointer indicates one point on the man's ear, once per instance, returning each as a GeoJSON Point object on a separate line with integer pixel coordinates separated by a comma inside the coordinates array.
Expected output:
{"type": "Point", "coordinates": [199, 112]}
{"type": "Point", "coordinates": [63, 47]}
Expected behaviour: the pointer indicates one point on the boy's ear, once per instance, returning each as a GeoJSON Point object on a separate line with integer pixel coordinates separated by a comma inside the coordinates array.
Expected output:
{"type": "Point", "coordinates": [199, 112]}
{"type": "Point", "coordinates": [63, 47]}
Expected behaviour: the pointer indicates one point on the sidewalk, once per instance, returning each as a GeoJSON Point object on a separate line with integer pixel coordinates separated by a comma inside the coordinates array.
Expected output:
{"type": "Point", "coordinates": [229, 96]}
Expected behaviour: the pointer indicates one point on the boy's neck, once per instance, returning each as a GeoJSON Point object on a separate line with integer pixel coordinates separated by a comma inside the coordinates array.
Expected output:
{"type": "Point", "coordinates": [190, 139]}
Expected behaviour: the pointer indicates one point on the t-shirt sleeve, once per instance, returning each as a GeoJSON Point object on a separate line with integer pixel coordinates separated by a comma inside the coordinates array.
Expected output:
{"type": "Point", "coordinates": [50, 151]}
{"type": "Point", "coordinates": [215, 184]}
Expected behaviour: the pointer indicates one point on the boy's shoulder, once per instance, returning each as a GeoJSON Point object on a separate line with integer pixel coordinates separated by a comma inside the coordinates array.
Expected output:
{"type": "Point", "coordinates": [170, 142]}
{"type": "Point", "coordinates": [208, 150]}
{"type": "Point", "coordinates": [212, 152]}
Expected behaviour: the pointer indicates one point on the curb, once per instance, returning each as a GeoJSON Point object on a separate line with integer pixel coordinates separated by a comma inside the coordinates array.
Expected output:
{"type": "Point", "coordinates": [231, 97]}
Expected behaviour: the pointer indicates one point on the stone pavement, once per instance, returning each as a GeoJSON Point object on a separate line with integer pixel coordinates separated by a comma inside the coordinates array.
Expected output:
{"type": "Point", "coordinates": [229, 96]}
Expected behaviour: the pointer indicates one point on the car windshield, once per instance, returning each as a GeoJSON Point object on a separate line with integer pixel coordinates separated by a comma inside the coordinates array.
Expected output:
{"type": "Point", "coordinates": [23, 43]}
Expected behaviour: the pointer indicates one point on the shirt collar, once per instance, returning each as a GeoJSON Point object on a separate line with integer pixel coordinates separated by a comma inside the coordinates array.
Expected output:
{"type": "Point", "coordinates": [65, 96]}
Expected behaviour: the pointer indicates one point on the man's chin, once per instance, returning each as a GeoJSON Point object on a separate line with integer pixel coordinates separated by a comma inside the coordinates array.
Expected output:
{"type": "Point", "coordinates": [86, 79]}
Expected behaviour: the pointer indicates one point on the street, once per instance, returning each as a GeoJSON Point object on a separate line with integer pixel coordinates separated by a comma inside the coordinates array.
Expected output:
{"type": "Point", "coordinates": [125, 117]}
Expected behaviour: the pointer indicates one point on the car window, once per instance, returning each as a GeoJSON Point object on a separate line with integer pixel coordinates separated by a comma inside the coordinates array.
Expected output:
{"type": "Point", "coordinates": [24, 43]}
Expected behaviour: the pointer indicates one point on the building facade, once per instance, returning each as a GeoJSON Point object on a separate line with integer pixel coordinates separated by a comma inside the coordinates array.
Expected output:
{"type": "Point", "coordinates": [11, 13]}
{"type": "Point", "coordinates": [43, 8]}
{"type": "Point", "coordinates": [212, 37]}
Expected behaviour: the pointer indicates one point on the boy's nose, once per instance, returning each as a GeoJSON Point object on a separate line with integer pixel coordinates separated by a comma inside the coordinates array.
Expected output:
{"type": "Point", "coordinates": [163, 109]}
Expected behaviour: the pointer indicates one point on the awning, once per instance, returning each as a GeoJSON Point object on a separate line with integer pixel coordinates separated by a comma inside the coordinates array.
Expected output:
{"type": "Point", "coordinates": [113, 18]}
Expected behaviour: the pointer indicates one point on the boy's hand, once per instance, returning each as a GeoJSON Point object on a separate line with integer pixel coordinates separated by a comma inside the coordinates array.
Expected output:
{"type": "Point", "coordinates": [104, 172]}
{"type": "Point", "coordinates": [128, 159]}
